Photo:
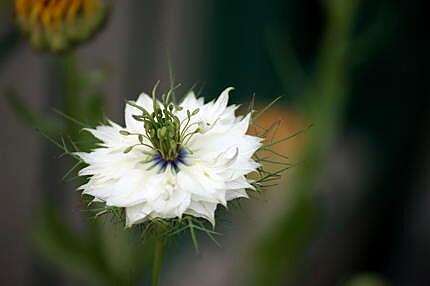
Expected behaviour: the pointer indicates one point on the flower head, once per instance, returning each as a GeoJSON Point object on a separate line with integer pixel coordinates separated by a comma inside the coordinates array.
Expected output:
{"type": "Point", "coordinates": [172, 160]}
{"type": "Point", "coordinates": [57, 24]}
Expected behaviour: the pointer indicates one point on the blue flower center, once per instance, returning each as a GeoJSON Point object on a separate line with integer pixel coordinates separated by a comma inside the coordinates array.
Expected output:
{"type": "Point", "coordinates": [175, 163]}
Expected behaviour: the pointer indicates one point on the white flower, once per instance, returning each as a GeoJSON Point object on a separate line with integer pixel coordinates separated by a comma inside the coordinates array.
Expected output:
{"type": "Point", "coordinates": [208, 167]}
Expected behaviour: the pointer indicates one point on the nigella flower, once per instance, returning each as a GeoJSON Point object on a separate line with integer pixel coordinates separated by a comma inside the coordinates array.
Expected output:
{"type": "Point", "coordinates": [172, 160]}
{"type": "Point", "coordinates": [55, 25]}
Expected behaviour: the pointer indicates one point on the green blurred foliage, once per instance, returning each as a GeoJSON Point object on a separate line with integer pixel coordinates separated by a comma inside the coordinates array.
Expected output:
{"type": "Point", "coordinates": [6, 3]}
{"type": "Point", "coordinates": [367, 279]}
{"type": "Point", "coordinates": [322, 96]}
{"type": "Point", "coordinates": [103, 253]}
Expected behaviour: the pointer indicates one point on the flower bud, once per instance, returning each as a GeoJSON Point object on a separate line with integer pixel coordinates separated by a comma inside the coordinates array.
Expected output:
{"type": "Point", "coordinates": [56, 25]}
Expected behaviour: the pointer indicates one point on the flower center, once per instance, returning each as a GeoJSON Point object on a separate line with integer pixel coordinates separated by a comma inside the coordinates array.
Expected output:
{"type": "Point", "coordinates": [167, 134]}
{"type": "Point", "coordinates": [162, 130]}
{"type": "Point", "coordinates": [174, 163]}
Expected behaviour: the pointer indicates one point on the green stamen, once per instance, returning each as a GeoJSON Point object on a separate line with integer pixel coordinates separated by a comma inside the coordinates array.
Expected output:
{"type": "Point", "coordinates": [163, 127]}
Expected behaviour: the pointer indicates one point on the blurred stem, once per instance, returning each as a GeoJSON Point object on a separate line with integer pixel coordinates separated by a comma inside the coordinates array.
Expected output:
{"type": "Point", "coordinates": [74, 106]}
{"type": "Point", "coordinates": [72, 96]}
{"type": "Point", "coordinates": [281, 251]}
{"type": "Point", "coordinates": [158, 258]}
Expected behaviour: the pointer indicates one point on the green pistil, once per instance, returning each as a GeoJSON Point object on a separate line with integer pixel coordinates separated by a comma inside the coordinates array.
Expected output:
{"type": "Point", "coordinates": [163, 127]}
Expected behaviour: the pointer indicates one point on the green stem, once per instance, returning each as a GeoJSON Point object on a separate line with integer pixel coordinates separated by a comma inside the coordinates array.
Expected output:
{"type": "Point", "coordinates": [158, 258]}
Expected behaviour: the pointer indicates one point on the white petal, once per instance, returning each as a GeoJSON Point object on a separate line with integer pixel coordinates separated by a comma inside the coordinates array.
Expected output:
{"type": "Point", "coordinates": [132, 124]}
{"type": "Point", "coordinates": [134, 188]}
{"type": "Point", "coordinates": [213, 111]}
{"type": "Point", "coordinates": [202, 209]}
{"type": "Point", "coordinates": [239, 183]}
{"type": "Point", "coordinates": [202, 183]}
{"type": "Point", "coordinates": [137, 214]}
{"type": "Point", "coordinates": [234, 194]}
{"type": "Point", "coordinates": [190, 102]}
{"type": "Point", "coordinates": [105, 133]}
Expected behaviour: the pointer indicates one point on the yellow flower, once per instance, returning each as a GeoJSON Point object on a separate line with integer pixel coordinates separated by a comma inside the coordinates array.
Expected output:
{"type": "Point", "coordinates": [56, 25]}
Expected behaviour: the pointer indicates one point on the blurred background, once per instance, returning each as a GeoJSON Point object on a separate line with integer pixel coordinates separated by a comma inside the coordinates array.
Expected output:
{"type": "Point", "coordinates": [354, 210]}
